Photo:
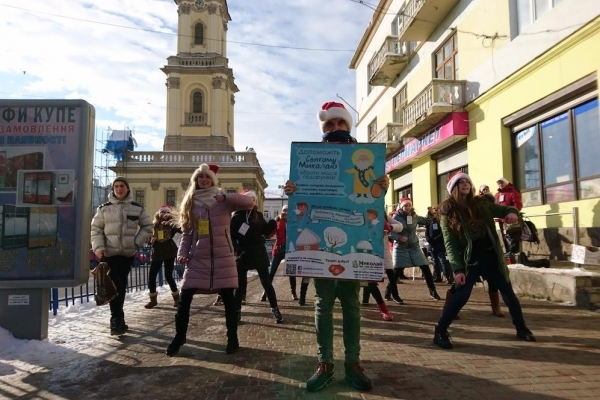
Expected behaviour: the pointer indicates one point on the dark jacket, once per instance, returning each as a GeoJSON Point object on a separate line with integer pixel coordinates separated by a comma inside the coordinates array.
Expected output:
{"type": "Point", "coordinates": [459, 245]}
{"type": "Point", "coordinates": [249, 247]}
{"type": "Point", "coordinates": [165, 248]}
{"type": "Point", "coordinates": [434, 236]}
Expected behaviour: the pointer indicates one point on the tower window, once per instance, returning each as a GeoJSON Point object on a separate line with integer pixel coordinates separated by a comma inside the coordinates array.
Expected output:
{"type": "Point", "coordinates": [199, 34]}
{"type": "Point", "coordinates": [197, 101]}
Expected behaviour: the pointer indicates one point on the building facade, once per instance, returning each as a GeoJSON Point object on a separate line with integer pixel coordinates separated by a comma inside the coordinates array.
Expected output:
{"type": "Point", "coordinates": [200, 115]}
{"type": "Point", "coordinates": [494, 88]}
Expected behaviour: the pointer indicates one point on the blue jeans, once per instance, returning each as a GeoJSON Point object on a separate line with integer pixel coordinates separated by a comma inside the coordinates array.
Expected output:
{"type": "Point", "coordinates": [440, 263]}
{"type": "Point", "coordinates": [487, 267]}
{"type": "Point", "coordinates": [348, 293]}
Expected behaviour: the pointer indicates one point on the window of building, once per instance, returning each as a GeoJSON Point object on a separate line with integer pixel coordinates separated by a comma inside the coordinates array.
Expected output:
{"type": "Point", "coordinates": [266, 214]}
{"type": "Point", "coordinates": [528, 11]}
{"type": "Point", "coordinates": [555, 158]}
{"type": "Point", "coordinates": [197, 102]}
{"type": "Point", "coordinates": [373, 131]}
{"type": "Point", "coordinates": [170, 195]}
{"type": "Point", "coordinates": [403, 192]}
{"type": "Point", "coordinates": [399, 104]}
{"type": "Point", "coordinates": [140, 197]}
{"type": "Point", "coordinates": [199, 33]}
{"type": "Point", "coordinates": [446, 60]}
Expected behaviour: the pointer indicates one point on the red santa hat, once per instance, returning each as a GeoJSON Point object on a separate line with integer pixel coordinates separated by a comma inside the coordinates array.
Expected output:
{"type": "Point", "coordinates": [207, 169]}
{"type": "Point", "coordinates": [165, 208]}
{"type": "Point", "coordinates": [249, 193]}
{"type": "Point", "coordinates": [404, 201]}
{"type": "Point", "coordinates": [453, 180]}
{"type": "Point", "coordinates": [332, 110]}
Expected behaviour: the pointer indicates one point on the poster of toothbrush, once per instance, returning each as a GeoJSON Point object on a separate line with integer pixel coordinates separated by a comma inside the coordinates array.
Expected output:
{"type": "Point", "coordinates": [337, 212]}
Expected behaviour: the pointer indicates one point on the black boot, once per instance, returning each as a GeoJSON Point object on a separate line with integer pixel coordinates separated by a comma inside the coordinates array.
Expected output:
{"type": "Point", "coordinates": [366, 295]}
{"type": "Point", "coordinates": [232, 340]}
{"type": "Point", "coordinates": [388, 294]}
{"type": "Point", "coordinates": [525, 334]}
{"type": "Point", "coordinates": [181, 325]}
{"type": "Point", "coordinates": [395, 296]}
{"type": "Point", "coordinates": [175, 345]}
{"type": "Point", "coordinates": [303, 290]}
{"type": "Point", "coordinates": [118, 326]}
{"type": "Point", "coordinates": [293, 292]}
{"type": "Point", "coordinates": [429, 279]}
{"type": "Point", "coordinates": [441, 337]}
{"type": "Point", "coordinates": [264, 296]}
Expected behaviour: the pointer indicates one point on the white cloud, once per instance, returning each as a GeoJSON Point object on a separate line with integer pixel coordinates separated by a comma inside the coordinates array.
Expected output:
{"type": "Point", "coordinates": [81, 49]}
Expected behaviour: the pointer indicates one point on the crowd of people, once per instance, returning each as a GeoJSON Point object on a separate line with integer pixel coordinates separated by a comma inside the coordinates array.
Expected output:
{"type": "Point", "coordinates": [223, 237]}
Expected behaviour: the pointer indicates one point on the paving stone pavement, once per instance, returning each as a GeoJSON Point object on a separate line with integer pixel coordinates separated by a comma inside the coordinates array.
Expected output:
{"type": "Point", "coordinates": [275, 360]}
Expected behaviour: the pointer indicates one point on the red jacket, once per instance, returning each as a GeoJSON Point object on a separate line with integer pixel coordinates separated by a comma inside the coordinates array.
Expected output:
{"type": "Point", "coordinates": [509, 196]}
{"type": "Point", "coordinates": [281, 235]}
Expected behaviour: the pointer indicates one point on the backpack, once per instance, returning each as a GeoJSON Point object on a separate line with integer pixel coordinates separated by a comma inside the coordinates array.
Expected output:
{"type": "Point", "coordinates": [529, 232]}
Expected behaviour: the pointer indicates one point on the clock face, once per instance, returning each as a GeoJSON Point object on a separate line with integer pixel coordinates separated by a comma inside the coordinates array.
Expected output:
{"type": "Point", "coordinates": [199, 4]}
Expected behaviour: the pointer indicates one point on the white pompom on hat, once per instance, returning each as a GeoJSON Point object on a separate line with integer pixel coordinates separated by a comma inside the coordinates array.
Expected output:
{"type": "Point", "coordinates": [207, 169]}
{"type": "Point", "coordinates": [453, 180]}
{"type": "Point", "coordinates": [404, 201]}
{"type": "Point", "coordinates": [332, 110]}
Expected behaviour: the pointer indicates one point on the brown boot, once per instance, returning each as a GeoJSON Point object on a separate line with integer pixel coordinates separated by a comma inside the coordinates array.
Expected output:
{"type": "Point", "coordinates": [495, 302]}
{"type": "Point", "coordinates": [152, 303]}
{"type": "Point", "coordinates": [449, 296]}
{"type": "Point", "coordinates": [175, 295]}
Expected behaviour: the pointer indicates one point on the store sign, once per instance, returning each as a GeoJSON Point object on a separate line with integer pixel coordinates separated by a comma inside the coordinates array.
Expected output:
{"type": "Point", "coordinates": [46, 153]}
{"type": "Point", "coordinates": [453, 127]}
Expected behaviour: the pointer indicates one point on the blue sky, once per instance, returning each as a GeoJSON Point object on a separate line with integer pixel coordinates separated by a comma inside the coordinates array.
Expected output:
{"type": "Point", "coordinates": [288, 57]}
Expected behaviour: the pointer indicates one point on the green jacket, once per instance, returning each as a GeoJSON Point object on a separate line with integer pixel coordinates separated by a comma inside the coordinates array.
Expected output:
{"type": "Point", "coordinates": [458, 247]}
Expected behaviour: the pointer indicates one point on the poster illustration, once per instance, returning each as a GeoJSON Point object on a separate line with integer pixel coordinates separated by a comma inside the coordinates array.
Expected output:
{"type": "Point", "coordinates": [336, 214]}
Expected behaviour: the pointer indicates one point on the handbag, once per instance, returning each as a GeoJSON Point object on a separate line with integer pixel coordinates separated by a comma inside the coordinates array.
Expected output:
{"type": "Point", "coordinates": [106, 290]}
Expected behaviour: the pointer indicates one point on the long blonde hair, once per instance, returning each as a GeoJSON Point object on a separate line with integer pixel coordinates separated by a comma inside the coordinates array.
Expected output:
{"type": "Point", "coordinates": [186, 216]}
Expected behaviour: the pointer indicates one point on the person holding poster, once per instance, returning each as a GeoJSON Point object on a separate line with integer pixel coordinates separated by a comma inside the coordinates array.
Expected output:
{"type": "Point", "coordinates": [474, 251]}
{"type": "Point", "coordinates": [119, 228]}
{"type": "Point", "coordinates": [322, 178]}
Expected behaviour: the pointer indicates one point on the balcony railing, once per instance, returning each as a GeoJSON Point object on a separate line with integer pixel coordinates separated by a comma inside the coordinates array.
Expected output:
{"type": "Point", "coordinates": [196, 118]}
{"type": "Point", "coordinates": [422, 17]}
{"type": "Point", "coordinates": [391, 132]}
{"type": "Point", "coordinates": [389, 61]}
{"type": "Point", "coordinates": [194, 158]}
{"type": "Point", "coordinates": [439, 98]}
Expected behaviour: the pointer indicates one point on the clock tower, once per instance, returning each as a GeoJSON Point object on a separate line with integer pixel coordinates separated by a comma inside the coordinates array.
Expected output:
{"type": "Point", "coordinates": [199, 129]}
{"type": "Point", "coordinates": [200, 84]}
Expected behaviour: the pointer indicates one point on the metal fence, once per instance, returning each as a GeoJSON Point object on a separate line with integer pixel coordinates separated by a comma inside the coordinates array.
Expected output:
{"type": "Point", "coordinates": [138, 280]}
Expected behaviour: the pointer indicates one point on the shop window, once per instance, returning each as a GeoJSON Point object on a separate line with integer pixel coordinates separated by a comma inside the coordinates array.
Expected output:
{"type": "Point", "coordinates": [446, 60]}
{"type": "Point", "coordinates": [403, 192]}
{"type": "Point", "coordinates": [528, 11]}
{"type": "Point", "coordinates": [442, 182]}
{"type": "Point", "coordinates": [170, 197]}
{"type": "Point", "coordinates": [140, 197]}
{"type": "Point", "coordinates": [555, 158]}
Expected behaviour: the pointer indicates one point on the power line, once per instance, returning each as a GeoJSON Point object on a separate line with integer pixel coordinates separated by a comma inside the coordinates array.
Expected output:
{"type": "Point", "coordinates": [175, 34]}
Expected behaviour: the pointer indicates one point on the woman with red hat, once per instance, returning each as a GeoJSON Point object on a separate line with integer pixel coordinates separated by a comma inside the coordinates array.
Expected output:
{"type": "Point", "coordinates": [407, 248]}
{"type": "Point", "coordinates": [164, 250]}
{"type": "Point", "coordinates": [207, 252]}
{"type": "Point", "coordinates": [474, 251]}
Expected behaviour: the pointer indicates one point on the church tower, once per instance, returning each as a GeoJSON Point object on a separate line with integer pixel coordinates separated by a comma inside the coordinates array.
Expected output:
{"type": "Point", "coordinates": [200, 105]}
{"type": "Point", "coordinates": [200, 84]}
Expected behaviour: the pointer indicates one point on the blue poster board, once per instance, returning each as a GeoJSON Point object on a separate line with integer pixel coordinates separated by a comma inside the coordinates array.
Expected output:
{"type": "Point", "coordinates": [335, 216]}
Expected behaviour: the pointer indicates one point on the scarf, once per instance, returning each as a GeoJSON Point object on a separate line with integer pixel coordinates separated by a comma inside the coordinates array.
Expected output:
{"type": "Point", "coordinates": [338, 137]}
{"type": "Point", "coordinates": [206, 197]}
